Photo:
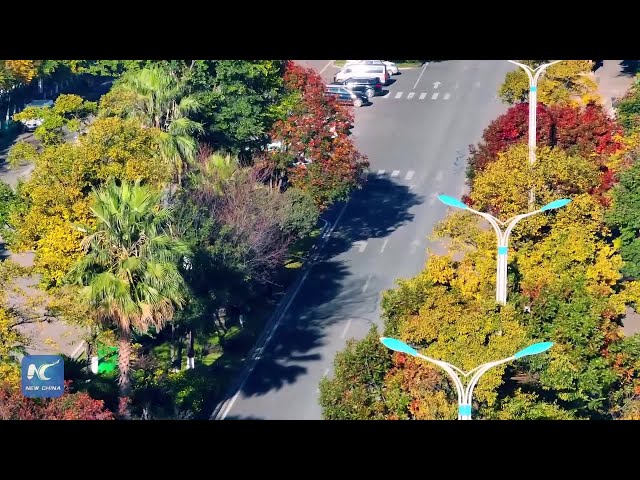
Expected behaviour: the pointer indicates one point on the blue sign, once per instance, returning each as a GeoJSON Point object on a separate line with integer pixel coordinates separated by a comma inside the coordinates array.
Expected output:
{"type": "Point", "coordinates": [42, 376]}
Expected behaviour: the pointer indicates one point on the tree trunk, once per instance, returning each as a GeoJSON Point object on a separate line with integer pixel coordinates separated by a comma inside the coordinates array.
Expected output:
{"type": "Point", "coordinates": [124, 381]}
{"type": "Point", "coordinates": [172, 345]}
{"type": "Point", "coordinates": [191, 351]}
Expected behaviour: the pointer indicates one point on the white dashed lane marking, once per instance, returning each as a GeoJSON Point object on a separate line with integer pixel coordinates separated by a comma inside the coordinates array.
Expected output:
{"type": "Point", "coordinates": [399, 94]}
{"type": "Point", "coordinates": [422, 95]}
{"type": "Point", "coordinates": [395, 173]}
{"type": "Point", "coordinates": [410, 95]}
{"type": "Point", "coordinates": [435, 95]}
{"type": "Point", "coordinates": [409, 175]}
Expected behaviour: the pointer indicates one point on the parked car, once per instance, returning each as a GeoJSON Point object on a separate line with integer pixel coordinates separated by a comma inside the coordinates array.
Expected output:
{"type": "Point", "coordinates": [344, 95]}
{"type": "Point", "coordinates": [32, 123]}
{"type": "Point", "coordinates": [392, 67]}
{"type": "Point", "coordinates": [361, 70]}
{"type": "Point", "coordinates": [369, 86]}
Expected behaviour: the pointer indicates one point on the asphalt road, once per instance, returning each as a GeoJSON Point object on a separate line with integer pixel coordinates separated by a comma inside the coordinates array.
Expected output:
{"type": "Point", "coordinates": [417, 140]}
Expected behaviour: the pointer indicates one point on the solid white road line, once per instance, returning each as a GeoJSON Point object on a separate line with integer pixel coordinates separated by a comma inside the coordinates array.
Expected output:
{"type": "Point", "coordinates": [233, 400]}
{"type": "Point", "coordinates": [447, 96]}
{"type": "Point", "coordinates": [423, 69]}
{"type": "Point", "coordinates": [366, 284]}
{"type": "Point", "coordinates": [410, 95]}
{"type": "Point", "coordinates": [398, 95]}
{"type": "Point", "coordinates": [395, 173]}
{"type": "Point", "coordinates": [384, 245]}
{"type": "Point", "coordinates": [346, 328]}
{"type": "Point", "coordinates": [409, 175]}
{"type": "Point", "coordinates": [78, 349]}
{"type": "Point", "coordinates": [326, 66]}
{"type": "Point", "coordinates": [380, 173]}
{"type": "Point", "coordinates": [361, 244]}
{"type": "Point", "coordinates": [422, 95]}
{"type": "Point", "coordinates": [434, 96]}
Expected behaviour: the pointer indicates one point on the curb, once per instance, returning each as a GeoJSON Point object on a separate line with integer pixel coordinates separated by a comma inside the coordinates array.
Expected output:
{"type": "Point", "coordinates": [255, 354]}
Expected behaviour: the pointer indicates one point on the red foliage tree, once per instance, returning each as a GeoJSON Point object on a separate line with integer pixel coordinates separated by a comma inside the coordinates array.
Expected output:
{"type": "Point", "coordinates": [508, 129]}
{"type": "Point", "coordinates": [586, 131]}
{"type": "Point", "coordinates": [70, 406]}
{"type": "Point", "coordinates": [319, 156]}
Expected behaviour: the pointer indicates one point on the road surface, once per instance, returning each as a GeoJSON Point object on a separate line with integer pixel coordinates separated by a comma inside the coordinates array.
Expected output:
{"type": "Point", "coordinates": [416, 138]}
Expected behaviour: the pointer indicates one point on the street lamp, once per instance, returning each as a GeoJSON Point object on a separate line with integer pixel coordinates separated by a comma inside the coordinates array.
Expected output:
{"type": "Point", "coordinates": [503, 237]}
{"type": "Point", "coordinates": [534, 75]}
{"type": "Point", "coordinates": [465, 395]}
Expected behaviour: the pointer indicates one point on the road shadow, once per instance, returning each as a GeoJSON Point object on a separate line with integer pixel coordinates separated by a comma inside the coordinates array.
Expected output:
{"type": "Point", "coordinates": [375, 211]}
{"type": "Point", "coordinates": [630, 67]}
{"type": "Point", "coordinates": [390, 82]}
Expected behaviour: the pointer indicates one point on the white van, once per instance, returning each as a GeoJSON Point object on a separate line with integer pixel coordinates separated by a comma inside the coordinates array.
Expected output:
{"type": "Point", "coordinates": [361, 70]}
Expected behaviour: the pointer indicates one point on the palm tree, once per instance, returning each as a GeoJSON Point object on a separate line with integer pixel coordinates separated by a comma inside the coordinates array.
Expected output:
{"type": "Point", "coordinates": [130, 275]}
{"type": "Point", "coordinates": [162, 102]}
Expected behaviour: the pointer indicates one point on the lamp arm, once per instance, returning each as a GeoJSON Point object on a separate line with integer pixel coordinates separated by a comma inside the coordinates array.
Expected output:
{"type": "Point", "coordinates": [542, 68]}
{"type": "Point", "coordinates": [513, 221]}
{"type": "Point", "coordinates": [491, 219]}
{"type": "Point", "coordinates": [447, 368]}
{"type": "Point", "coordinates": [482, 370]}
{"type": "Point", "coordinates": [526, 68]}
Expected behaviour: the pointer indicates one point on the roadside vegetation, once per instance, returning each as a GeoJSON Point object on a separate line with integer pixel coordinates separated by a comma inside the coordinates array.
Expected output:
{"type": "Point", "coordinates": [572, 272]}
{"type": "Point", "coordinates": [167, 228]}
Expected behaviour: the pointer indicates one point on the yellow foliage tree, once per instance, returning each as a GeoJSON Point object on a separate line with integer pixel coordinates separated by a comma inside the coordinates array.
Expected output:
{"type": "Point", "coordinates": [569, 81]}
{"type": "Point", "coordinates": [22, 70]}
{"type": "Point", "coordinates": [56, 195]}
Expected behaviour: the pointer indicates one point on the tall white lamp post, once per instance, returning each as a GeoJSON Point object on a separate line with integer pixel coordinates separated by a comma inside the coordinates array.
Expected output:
{"type": "Point", "coordinates": [503, 236]}
{"type": "Point", "coordinates": [465, 395]}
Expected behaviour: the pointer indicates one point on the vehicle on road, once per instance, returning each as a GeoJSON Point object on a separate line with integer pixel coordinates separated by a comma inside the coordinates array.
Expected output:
{"type": "Point", "coordinates": [392, 67]}
{"type": "Point", "coordinates": [346, 96]}
{"type": "Point", "coordinates": [369, 86]}
{"type": "Point", "coordinates": [361, 70]}
{"type": "Point", "coordinates": [32, 123]}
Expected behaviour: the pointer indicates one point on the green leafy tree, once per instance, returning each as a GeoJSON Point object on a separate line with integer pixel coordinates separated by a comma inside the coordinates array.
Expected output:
{"type": "Point", "coordinates": [161, 101]}
{"type": "Point", "coordinates": [356, 392]}
{"type": "Point", "coordinates": [628, 109]}
{"type": "Point", "coordinates": [625, 218]}
{"type": "Point", "coordinates": [7, 198]}
{"type": "Point", "coordinates": [130, 274]}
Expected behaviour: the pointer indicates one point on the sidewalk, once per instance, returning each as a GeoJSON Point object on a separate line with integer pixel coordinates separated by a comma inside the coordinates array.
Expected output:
{"type": "Point", "coordinates": [614, 78]}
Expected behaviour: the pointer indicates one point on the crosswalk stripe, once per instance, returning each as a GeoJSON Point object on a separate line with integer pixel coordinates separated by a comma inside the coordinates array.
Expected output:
{"type": "Point", "coordinates": [410, 95]}
{"type": "Point", "coordinates": [422, 95]}
{"type": "Point", "coordinates": [447, 96]}
{"type": "Point", "coordinates": [409, 175]}
{"type": "Point", "coordinates": [435, 95]}
{"type": "Point", "coordinates": [395, 173]}
{"type": "Point", "coordinates": [398, 95]}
